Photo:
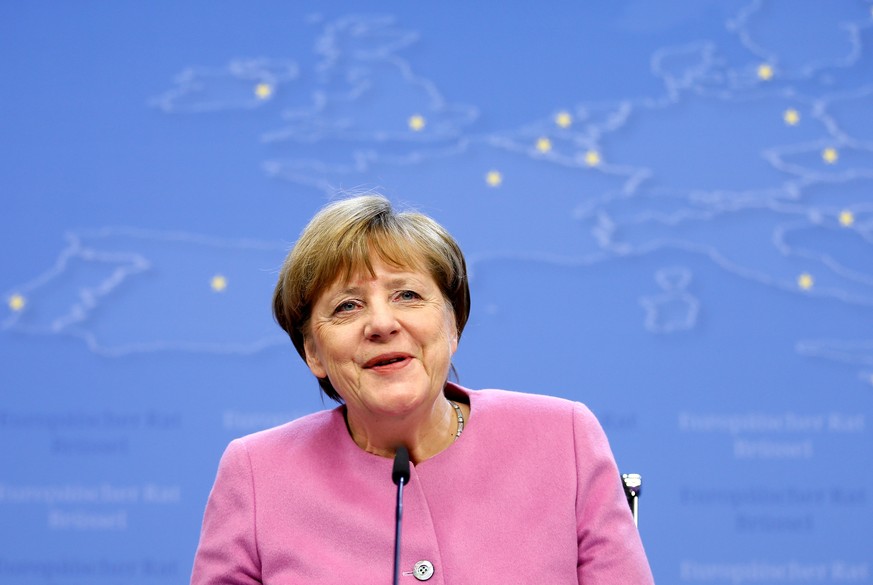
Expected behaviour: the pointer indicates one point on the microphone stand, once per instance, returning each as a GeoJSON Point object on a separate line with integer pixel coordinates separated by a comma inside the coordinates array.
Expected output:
{"type": "Point", "coordinates": [400, 476]}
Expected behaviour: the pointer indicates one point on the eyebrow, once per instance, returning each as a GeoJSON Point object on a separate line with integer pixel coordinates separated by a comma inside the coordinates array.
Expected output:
{"type": "Point", "coordinates": [398, 282]}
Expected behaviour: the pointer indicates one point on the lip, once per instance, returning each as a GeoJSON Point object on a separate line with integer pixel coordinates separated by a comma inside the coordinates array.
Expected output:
{"type": "Point", "coordinates": [386, 361]}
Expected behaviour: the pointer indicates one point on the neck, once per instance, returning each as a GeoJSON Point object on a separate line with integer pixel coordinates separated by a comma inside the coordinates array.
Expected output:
{"type": "Point", "coordinates": [424, 435]}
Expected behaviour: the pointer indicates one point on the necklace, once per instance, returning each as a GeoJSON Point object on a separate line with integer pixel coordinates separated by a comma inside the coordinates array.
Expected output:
{"type": "Point", "coordinates": [460, 419]}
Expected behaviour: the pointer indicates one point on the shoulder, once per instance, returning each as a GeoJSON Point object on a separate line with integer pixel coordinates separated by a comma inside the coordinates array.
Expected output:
{"type": "Point", "coordinates": [546, 416]}
{"type": "Point", "coordinates": [507, 402]}
{"type": "Point", "coordinates": [297, 435]}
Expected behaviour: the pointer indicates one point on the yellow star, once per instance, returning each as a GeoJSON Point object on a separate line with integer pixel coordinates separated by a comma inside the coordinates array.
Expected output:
{"type": "Point", "coordinates": [417, 123]}
{"type": "Point", "coordinates": [264, 91]}
{"type": "Point", "coordinates": [218, 283]}
{"type": "Point", "coordinates": [563, 119]}
{"type": "Point", "coordinates": [765, 71]}
{"type": "Point", "coordinates": [847, 218]}
{"type": "Point", "coordinates": [494, 178]}
{"type": "Point", "coordinates": [805, 281]}
{"type": "Point", "coordinates": [544, 144]}
{"type": "Point", "coordinates": [830, 155]}
{"type": "Point", "coordinates": [592, 158]}
{"type": "Point", "coordinates": [791, 117]}
{"type": "Point", "coordinates": [17, 302]}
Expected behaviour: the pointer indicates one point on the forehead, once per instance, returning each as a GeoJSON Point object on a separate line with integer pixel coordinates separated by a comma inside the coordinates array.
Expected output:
{"type": "Point", "coordinates": [381, 272]}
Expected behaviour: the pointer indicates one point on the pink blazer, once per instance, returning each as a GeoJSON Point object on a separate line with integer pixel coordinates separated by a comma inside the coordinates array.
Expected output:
{"type": "Point", "coordinates": [528, 494]}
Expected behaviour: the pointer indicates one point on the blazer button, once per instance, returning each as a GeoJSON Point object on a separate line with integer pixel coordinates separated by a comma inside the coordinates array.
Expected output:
{"type": "Point", "coordinates": [423, 570]}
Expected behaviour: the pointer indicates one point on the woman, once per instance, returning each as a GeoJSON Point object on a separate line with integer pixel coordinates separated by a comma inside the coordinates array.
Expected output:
{"type": "Point", "coordinates": [505, 487]}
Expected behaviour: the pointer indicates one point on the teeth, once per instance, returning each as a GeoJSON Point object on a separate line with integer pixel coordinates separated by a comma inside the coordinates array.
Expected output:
{"type": "Point", "coordinates": [391, 361]}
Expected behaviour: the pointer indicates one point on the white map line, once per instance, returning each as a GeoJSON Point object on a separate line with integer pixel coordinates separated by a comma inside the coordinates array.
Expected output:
{"type": "Point", "coordinates": [633, 218]}
{"type": "Point", "coordinates": [673, 281]}
{"type": "Point", "coordinates": [75, 321]}
{"type": "Point", "coordinates": [741, 25]}
{"type": "Point", "coordinates": [194, 82]}
{"type": "Point", "coordinates": [840, 350]}
{"type": "Point", "coordinates": [130, 264]}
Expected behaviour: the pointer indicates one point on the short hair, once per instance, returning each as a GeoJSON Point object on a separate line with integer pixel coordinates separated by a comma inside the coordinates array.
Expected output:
{"type": "Point", "coordinates": [338, 243]}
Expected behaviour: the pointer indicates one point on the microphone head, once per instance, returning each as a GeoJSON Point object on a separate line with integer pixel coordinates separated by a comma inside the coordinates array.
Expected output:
{"type": "Point", "coordinates": [401, 466]}
{"type": "Point", "coordinates": [633, 484]}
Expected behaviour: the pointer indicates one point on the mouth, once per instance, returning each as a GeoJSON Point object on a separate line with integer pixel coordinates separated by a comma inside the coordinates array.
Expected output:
{"type": "Point", "coordinates": [387, 359]}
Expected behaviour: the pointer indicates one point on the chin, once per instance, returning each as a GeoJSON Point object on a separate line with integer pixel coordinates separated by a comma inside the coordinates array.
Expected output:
{"type": "Point", "coordinates": [401, 400]}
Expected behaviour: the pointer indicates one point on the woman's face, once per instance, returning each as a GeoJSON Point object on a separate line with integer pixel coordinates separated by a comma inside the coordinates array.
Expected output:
{"type": "Point", "coordinates": [385, 342]}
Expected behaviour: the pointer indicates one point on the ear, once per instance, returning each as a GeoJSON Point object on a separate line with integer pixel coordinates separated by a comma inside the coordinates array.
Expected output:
{"type": "Point", "coordinates": [312, 359]}
{"type": "Point", "coordinates": [453, 327]}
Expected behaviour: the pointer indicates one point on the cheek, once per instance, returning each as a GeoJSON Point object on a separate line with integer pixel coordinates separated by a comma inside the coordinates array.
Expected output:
{"type": "Point", "coordinates": [331, 351]}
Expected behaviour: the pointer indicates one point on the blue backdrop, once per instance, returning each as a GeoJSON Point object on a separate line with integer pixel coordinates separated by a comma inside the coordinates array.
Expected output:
{"type": "Point", "coordinates": [666, 208]}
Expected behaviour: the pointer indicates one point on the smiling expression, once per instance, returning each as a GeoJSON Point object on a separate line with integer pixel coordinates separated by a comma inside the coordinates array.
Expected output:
{"type": "Point", "coordinates": [385, 341]}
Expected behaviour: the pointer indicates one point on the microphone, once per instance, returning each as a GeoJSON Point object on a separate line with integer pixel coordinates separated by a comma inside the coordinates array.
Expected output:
{"type": "Point", "coordinates": [401, 466]}
{"type": "Point", "coordinates": [400, 476]}
{"type": "Point", "coordinates": [633, 485]}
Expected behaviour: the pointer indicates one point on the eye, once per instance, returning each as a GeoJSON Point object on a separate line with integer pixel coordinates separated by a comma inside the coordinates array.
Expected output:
{"type": "Point", "coordinates": [345, 307]}
{"type": "Point", "coordinates": [408, 295]}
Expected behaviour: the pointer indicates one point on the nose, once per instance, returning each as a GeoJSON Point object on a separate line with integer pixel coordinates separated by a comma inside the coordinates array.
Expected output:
{"type": "Point", "coordinates": [381, 322]}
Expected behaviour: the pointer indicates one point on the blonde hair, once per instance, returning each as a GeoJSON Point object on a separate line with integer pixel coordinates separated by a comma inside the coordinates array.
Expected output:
{"type": "Point", "coordinates": [339, 242]}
